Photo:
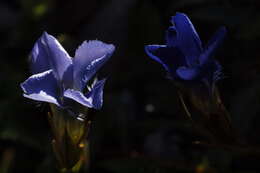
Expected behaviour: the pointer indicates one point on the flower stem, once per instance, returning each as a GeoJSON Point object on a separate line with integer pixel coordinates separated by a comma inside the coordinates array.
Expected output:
{"type": "Point", "coordinates": [209, 116]}
{"type": "Point", "coordinates": [69, 142]}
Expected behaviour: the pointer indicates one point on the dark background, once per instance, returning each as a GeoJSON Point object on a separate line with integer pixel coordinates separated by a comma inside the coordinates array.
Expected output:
{"type": "Point", "coordinates": [142, 126]}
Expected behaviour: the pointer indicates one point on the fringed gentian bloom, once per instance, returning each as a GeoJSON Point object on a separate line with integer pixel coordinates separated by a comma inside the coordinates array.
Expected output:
{"type": "Point", "coordinates": [188, 62]}
{"type": "Point", "coordinates": [183, 56]}
{"type": "Point", "coordinates": [62, 81]}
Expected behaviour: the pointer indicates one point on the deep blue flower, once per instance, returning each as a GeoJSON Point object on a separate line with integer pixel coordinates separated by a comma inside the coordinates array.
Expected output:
{"type": "Point", "coordinates": [60, 79]}
{"type": "Point", "coordinates": [183, 56]}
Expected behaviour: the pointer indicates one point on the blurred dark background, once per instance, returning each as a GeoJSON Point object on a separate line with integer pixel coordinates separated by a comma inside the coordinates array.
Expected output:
{"type": "Point", "coordinates": [142, 126]}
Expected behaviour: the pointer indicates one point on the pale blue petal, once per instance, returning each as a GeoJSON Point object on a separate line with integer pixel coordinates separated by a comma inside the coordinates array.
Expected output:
{"type": "Point", "coordinates": [96, 93]}
{"type": "Point", "coordinates": [38, 58]}
{"type": "Point", "coordinates": [79, 97]}
{"type": "Point", "coordinates": [188, 40]}
{"type": "Point", "coordinates": [93, 99]}
{"type": "Point", "coordinates": [89, 58]}
{"type": "Point", "coordinates": [41, 87]}
{"type": "Point", "coordinates": [58, 57]}
{"type": "Point", "coordinates": [67, 79]}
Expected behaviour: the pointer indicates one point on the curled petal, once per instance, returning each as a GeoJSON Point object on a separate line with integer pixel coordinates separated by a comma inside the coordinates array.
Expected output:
{"type": "Point", "coordinates": [97, 93]}
{"type": "Point", "coordinates": [89, 58]}
{"type": "Point", "coordinates": [170, 57]}
{"type": "Point", "coordinates": [58, 58]}
{"type": "Point", "coordinates": [218, 36]}
{"type": "Point", "coordinates": [153, 52]}
{"type": "Point", "coordinates": [188, 40]}
{"type": "Point", "coordinates": [93, 99]}
{"type": "Point", "coordinates": [41, 87]}
{"type": "Point", "coordinates": [38, 58]}
{"type": "Point", "coordinates": [188, 73]}
{"type": "Point", "coordinates": [212, 45]}
{"type": "Point", "coordinates": [79, 97]}
{"type": "Point", "coordinates": [171, 36]}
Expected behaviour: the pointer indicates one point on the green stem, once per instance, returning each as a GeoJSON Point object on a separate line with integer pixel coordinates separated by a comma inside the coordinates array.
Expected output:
{"type": "Point", "coordinates": [69, 140]}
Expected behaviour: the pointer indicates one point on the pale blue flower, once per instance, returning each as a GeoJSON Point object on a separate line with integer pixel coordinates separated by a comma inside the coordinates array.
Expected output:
{"type": "Point", "coordinates": [61, 79]}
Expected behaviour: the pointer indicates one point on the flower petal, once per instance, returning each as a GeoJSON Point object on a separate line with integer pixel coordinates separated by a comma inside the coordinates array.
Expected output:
{"type": "Point", "coordinates": [188, 73]}
{"type": "Point", "coordinates": [171, 36]}
{"type": "Point", "coordinates": [58, 57]}
{"type": "Point", "coordinates": [170, 57]}
{"type": "Point", "coordinates": [41, 87]}
{"type": "Point", "coordinates": [212, 45]}
{"type": "Point", "coordinates": [38, 58]}
{"type": "Point", "coordinates": [93, 99]}
{"type": "Point", "coordinates": [187, 38]}
{"type": "Point", "coordinates": [97, 93]}
{"type": "Point", "coordinates": [79, 97]}
{"type": "Point", "coordinates": [89, 58]}
{"type": "Point", "coordinates": [67, 78]}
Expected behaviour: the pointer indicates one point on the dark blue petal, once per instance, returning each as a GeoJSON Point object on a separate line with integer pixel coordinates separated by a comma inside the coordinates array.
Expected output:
{"type": "Point", "coordinates": [93, 99]}
{"type": "Point", "coordinates": [188, 73]}
{"type": "Point", "coordinates": [41, 87]}
{"type": "Point", "coordinates": [151, 51]}
{"type": "Point", "coordinates": [171, 35]}
{"type": "Point", "coordinates": [212, 71]}
{"type": "Point", "coordinates": [57, 56]}
{"type": "Point", "coordinates": [170, 57]}
{"type": "Point", "coordinates": [212, 45]}
{"type": "Point", "coordinates": [38, 58]}
{"type": "Point", "coordinates": [188, 40]}
{"type": "Point", "coordinates": [89, 58]}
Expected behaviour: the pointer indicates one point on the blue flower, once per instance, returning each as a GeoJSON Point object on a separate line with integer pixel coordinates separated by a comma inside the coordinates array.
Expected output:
{"type": "Point", "coordinates": [183, 56]}
{"type": "Point", "coordinates": [60, 79]}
